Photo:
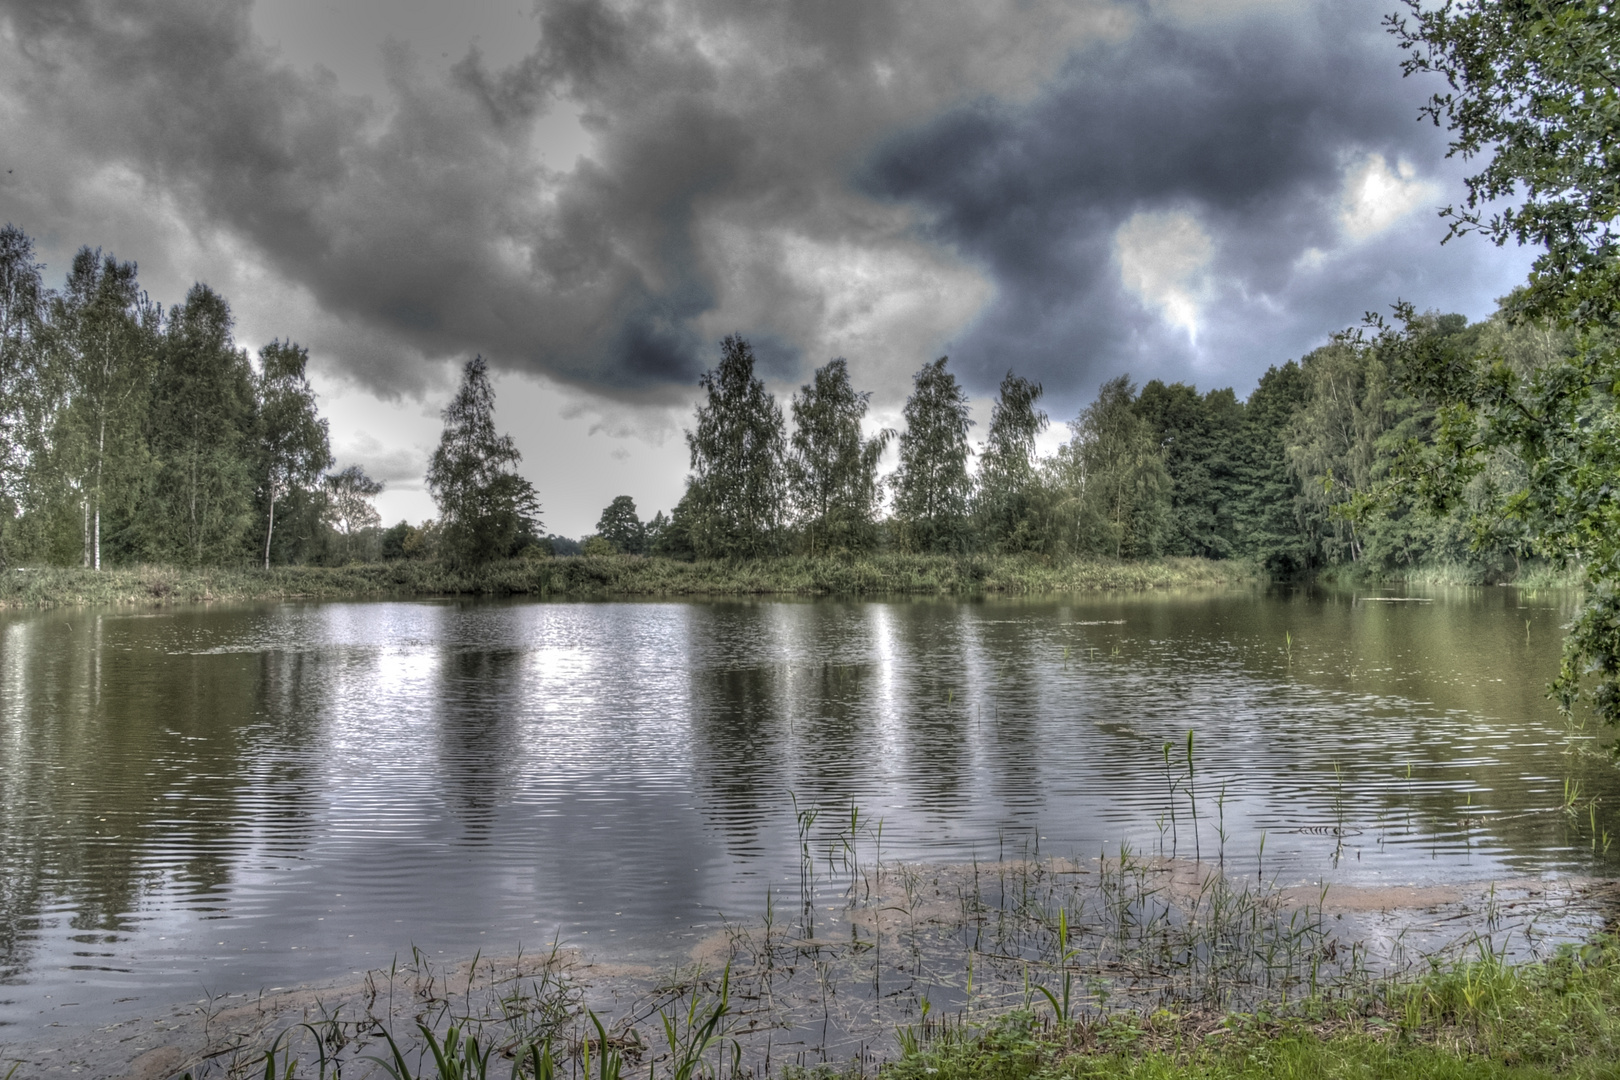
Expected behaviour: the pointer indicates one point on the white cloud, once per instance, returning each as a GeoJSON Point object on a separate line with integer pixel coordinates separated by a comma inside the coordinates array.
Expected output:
{"type": "Point", "coordinates": [1376, 196]}
{"type": "Point", "coordinates": [1164, 260]}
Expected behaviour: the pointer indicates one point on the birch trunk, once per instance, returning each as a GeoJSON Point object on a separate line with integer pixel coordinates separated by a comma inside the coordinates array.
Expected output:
{"type": "Point", "coordinates": [271, 530]}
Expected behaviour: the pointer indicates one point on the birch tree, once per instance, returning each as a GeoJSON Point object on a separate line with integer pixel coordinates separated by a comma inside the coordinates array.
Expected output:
{"type": "Point", "coordinates": [736, 495]}
{"type": "Point", "coordinates": [1113, 494]}
{"type": "Point", "coordinates": [201, 424]}
{"type": "Point", "coordinates": [101, 347]}
{"type": "Point", "coordinates": [294, 443]}
{"type": "Point", "coordinates": [831, 466]}
{"type": "Point", "coordinates": [22, 311]}
{"type": "Point", "coordinates": [932, 486]}
{"type": "Point", "coordinates": [1007, 500]}
{"type": "Point", "coordinates": [349, 511]}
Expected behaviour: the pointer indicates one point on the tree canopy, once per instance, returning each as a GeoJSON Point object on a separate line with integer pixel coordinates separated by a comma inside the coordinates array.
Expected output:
{"type": "Point", "coordinates": [487, 509]}
{"type": "Point", "coordinates": [932, 486]}
{"type": "Point", "coordinates": [736, 498]}
{"type": "Point", "coordinates": [622, 527]}
{"type": "Point", "coordinates": [832, 467]}
{"type": "Point", "coordinates": [1526, 416]}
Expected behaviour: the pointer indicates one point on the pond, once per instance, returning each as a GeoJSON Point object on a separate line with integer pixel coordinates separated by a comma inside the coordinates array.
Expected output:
{"type": "Point", "coordinates": [227, 798]}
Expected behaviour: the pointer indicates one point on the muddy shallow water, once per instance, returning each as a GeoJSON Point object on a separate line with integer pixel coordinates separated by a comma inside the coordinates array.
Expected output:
{"type": "Point", "coordinates": [227, 799]}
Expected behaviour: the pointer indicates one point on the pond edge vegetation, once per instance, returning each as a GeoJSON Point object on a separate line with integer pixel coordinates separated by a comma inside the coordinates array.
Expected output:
{"type": "Point", "coordinates": [611, 576]}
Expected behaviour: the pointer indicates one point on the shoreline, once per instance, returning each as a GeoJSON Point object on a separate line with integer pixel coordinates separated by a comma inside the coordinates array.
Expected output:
{"type": "Point", "coordinates": [617, 576]}
{"type": "Point", "coordinates": [777, 975]}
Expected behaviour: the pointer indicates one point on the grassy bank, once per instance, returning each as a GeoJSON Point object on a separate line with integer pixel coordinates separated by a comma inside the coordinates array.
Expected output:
{"type": "Point", "coordinates": [1479, 1019]}
{"type": "Point", "coordinates": [613, 576]}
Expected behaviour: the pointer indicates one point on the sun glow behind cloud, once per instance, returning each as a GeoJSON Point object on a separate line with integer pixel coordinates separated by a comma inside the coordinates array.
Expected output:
{"type": "Point", "coordinates": [1164, 261]}
{"type": "Point", "coordinates": [1377, 196]}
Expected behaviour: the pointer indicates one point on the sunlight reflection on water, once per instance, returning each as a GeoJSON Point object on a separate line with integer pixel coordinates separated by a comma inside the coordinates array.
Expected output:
{"type": "Point", "coordinates": [243, 796]}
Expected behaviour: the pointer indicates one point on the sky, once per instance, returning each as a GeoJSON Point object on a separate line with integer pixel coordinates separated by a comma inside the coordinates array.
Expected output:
{"type": "Point", "coordinates": [591, 193]}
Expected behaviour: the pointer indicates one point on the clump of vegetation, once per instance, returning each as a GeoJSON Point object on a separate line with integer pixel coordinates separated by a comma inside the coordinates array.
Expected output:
{"type": "Point", "coordinates": [599, 573]}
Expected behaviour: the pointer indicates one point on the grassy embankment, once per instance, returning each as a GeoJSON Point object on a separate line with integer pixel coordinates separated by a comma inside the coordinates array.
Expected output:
{"type": "Point", "coordinates": [1482, 1019]}
{"type": "Point", "coordinates": [612, 576]}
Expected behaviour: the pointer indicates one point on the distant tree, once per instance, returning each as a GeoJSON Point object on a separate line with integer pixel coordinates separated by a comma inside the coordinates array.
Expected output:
{"type": "Point", "coordinates": [655, 530]}
{"type": "Point", "coordinates": [674, 539]}
{"type": "Point", "coordinates": [488, 511]}
{"type": "Point", "coordinates": [349, 511]}
{"type": "Point", "coordinates": [736, 495]}
{"type": "Point", "coordinates": [391, 544]}
{"type": "Point", "coordinates": [596, 545]}
{"type": "Point", "coordinates": [831, 466]}
{"type": "Point", "coordinates": [562, 545]}
{"type": "Point", "coordinates": [200, 428]}
{"type": "Point", "coordinates": [1196, 435]}
{"type": "Point", "coordinates": [22, 319]}
{"type": "Point", "coordinates": [294, 447]}
{"type": "Point", "coordinates": [1007, 502]}
{"type": "Point", "coordinates": [1332, 443]}
{"type": "Point", "coordinates": [1266, 508]}
{"type": "Point", "coordinates": [1113, 494]}
{"type": "Point", "coordinates": [932, 486]}
{"type": "Point", "coordinates": [621, 527]}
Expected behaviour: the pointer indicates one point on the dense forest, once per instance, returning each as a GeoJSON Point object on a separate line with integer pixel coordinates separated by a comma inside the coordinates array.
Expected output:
{"type": "Point", "coordinates": [130, 433]}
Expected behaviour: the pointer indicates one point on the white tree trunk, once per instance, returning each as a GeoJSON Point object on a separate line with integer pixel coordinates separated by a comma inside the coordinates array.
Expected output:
{"type": "Point", "coordinates": [271, 530]}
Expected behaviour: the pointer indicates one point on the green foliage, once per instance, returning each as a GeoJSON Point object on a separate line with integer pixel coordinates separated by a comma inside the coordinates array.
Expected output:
{"type": "Point", "coordinates": [674, 539]}
{"type": "Point", "coordinates": [1197, 436]}
{"type": "Point", "coordinates": [831, 466]}
{"type": "Point", "coordinates": [22, 319]}
{"type": "Point", "coordinates": [1525, 449]}
{"type": "Point", "coordinates": [487, 511]}
{"type": "Point", "coordinates": [888, 574]}
{"type": "Point", "coordinates": [1265, 522]}
{"type": "Point", "coordinates": [1111, 493]}
{"type": "Point", "coordinates": [621, 528]}
{"type": "Point", "coordinates": [293, 443]}
{"type": "Point", "coordinates": [200, 428]}
{"type": "Point", "coordinates": [932, 487]}
{"type": "Point", "coordinates": [1476, 1018]}
{"type": "Point", "coordinates": [1532, 86]}
{"type": "Point", "coordinates": [1007, 504]}
{"type": "Point", "coordinates": [98, 361]}
{"type": "Point", "coordinates": [654, 531]}
{"type": "Point", "coordinates": [736, 497]}
{"type": "Point", "coordinates": [1527, 446]}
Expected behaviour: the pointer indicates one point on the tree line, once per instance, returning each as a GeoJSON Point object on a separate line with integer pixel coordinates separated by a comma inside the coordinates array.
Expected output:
{"type": "Point", "coordinates": [1159, 470]}
{"type": "Point", "coordinates": [133, 433]}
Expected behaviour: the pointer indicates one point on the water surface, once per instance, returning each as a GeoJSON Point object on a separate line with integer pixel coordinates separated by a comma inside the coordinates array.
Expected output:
{"type": "Point", "coordinates": [226, 798]}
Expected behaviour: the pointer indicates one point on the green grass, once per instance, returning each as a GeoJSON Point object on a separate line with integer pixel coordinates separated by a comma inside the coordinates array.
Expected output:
{"type": "Point", "coordinates": [614, 576]}
{"type": "Point", "coordinates": [1480, 1019]}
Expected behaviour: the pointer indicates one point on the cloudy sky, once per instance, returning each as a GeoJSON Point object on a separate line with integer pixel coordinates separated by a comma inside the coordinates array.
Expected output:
{"type": "Point", "coordinates": [591, 193]}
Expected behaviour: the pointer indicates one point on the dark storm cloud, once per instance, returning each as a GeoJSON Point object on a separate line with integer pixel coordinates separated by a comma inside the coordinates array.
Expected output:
{"type": "Point", "coordinates": [1250, 129]}
{"type": "Point", "coordinates": [716, 191]}
{"type": "Point", "coordinates": [427, 224]}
